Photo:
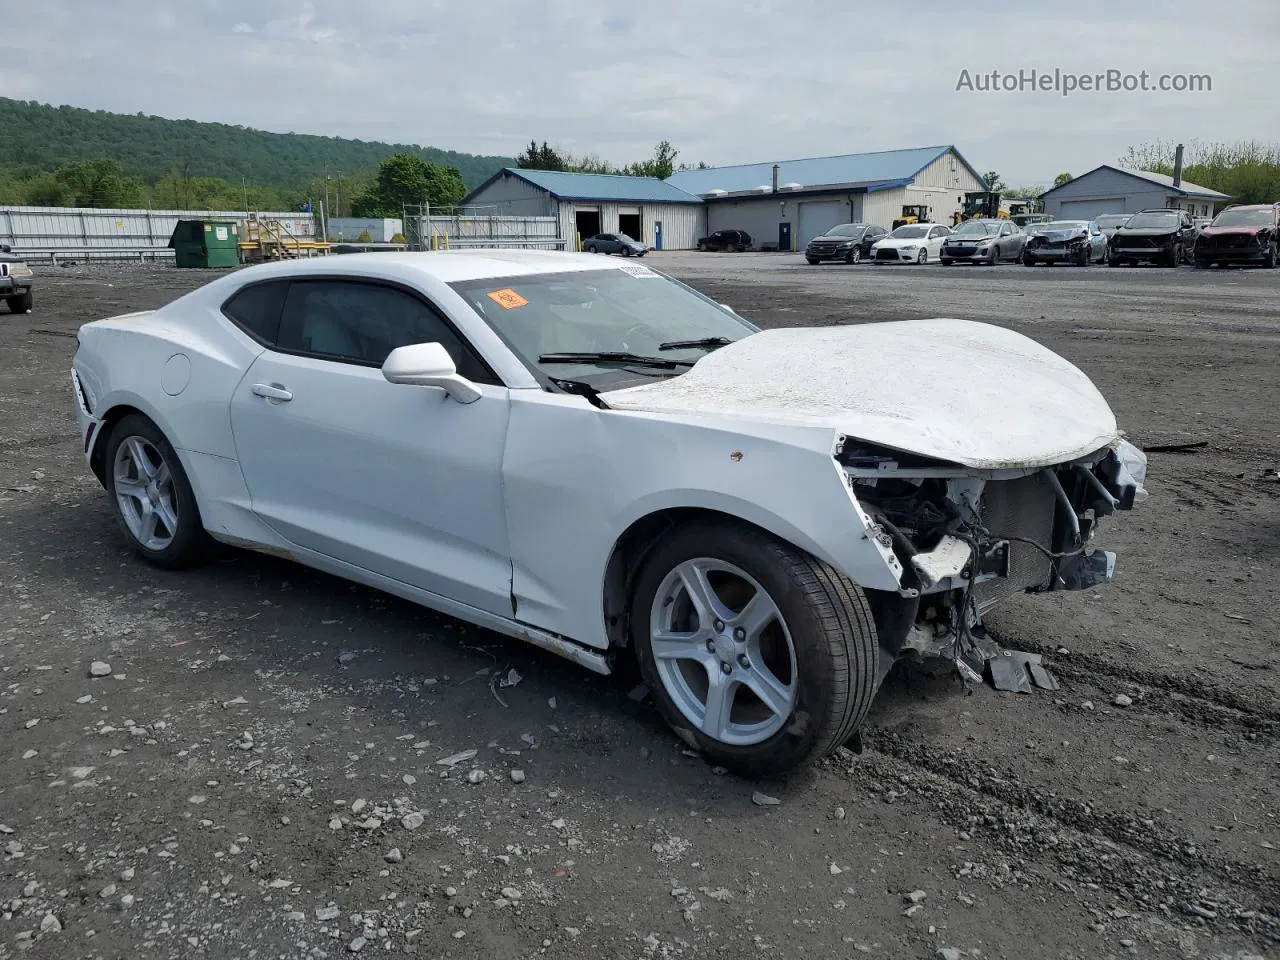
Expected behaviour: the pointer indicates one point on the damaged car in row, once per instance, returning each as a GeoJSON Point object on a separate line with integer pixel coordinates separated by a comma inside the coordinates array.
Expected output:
{"type": "Point", "coordinates": [592, 457]}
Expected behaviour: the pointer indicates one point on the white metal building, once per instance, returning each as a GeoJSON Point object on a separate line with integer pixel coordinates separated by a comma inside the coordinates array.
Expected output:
{"type": "Point", "coordinates": [785, 204]}
{"type": "Point", "coordinates": [648, 209]}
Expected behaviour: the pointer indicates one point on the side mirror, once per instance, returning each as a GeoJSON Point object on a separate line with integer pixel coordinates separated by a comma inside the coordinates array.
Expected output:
{"type": "Point", "coordinates": [428, 365]}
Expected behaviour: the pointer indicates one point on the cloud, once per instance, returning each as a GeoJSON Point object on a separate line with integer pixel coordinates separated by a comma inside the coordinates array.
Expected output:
{"type": "Point", "coordinates": [727, 81]}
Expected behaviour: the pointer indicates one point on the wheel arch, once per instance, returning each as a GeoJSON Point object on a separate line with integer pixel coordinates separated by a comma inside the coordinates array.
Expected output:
{"type": "Point", "coordinates": [116, 411]}
{"type": "Point", "coordinates": [635, 543]}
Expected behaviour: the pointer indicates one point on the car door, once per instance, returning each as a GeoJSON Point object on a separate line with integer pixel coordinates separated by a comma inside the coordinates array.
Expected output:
{"type": "Point", "coordinates": [398, 480]}
{"type": "Point", "coordinates": [934, 240]}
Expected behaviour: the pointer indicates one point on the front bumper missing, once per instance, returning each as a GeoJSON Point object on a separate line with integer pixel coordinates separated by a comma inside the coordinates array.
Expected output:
{"type": "Point", "coordinates": [967, 542]}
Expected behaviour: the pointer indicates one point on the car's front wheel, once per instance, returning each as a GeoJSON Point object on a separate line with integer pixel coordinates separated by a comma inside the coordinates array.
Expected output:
{"type": "Point", "coordinates": [922, 257]}
{"type": "Point", "coordinates": [758, 654]}
{"type": "Point", "coordinates": [21, 303]}
{"type": "Point", "coordinates": [854, 255]}
{"type": "Point", "coordinates": [154, 502]}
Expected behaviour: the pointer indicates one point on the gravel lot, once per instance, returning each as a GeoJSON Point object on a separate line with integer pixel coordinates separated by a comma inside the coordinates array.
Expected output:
{"type": "Point", "coordinates": [261, 773]}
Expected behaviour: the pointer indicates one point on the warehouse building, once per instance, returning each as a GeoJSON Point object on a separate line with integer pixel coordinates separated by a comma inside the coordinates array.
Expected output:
{"type": "Point", "coordinates": [785, 204]}
{"type": "Point", "coordinates": [1108, 189]}
{"type": "Point", "coordinates": [648, 209]}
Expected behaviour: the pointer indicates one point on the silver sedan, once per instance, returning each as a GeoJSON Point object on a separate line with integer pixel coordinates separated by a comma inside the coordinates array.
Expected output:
{"type": "Point", "coordinates": [1080, 242]}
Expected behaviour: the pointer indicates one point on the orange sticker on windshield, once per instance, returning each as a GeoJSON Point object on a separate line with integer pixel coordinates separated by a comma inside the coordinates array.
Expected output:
{"type": "Point", "coordinates": [508, 299]}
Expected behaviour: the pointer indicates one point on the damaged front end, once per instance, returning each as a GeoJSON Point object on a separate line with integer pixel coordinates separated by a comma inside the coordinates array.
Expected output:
{"type": "Point", "coordinates": [967, 539]}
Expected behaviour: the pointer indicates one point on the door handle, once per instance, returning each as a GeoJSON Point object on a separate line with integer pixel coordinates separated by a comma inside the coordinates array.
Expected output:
{"type": "Point", "coordinates": [272, 391]}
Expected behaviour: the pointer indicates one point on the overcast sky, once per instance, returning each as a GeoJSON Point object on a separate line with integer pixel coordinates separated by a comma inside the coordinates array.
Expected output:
{"type": "Point", "coordinates": [727, 81]}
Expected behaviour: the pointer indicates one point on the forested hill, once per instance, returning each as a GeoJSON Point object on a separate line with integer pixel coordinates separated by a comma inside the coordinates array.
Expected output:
{"type": "Point", "coordinates": [38, 136]}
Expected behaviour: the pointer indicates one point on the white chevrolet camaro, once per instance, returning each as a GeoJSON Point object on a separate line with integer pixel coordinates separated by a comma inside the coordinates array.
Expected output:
{"type": "Point", "coordinates": [590, 456]}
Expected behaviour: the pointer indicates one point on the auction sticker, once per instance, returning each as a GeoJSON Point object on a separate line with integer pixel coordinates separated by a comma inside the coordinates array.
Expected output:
{"type": "Point", "coordinates": [507, 298]}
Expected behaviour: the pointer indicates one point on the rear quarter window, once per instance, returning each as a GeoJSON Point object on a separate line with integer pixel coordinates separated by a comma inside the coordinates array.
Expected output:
{"type": "Point", "coordinates": [256, 310]}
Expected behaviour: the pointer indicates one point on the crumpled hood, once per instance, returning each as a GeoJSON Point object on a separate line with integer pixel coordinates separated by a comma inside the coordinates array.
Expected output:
{"type": "Point", "coordinates": [1058, 236]}
{"type": "Point", "coordinates": [956, 390]}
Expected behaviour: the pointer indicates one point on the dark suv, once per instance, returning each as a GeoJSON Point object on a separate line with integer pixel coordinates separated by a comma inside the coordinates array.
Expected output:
{"type": "Point", "coordinates": [738, 240]}
{"type": "Point", "coordinates": [1241, 234]}
{"type": "Point", "coordinates": [850, 242]}
{"type": "Point", "coordinates": [1161, 236]}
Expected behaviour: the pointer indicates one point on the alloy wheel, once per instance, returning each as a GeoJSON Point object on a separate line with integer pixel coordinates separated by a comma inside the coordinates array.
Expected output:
{"type": "Point", "coordinates": [723, 652]}
{"type": "Point", "coordinates": [145, 494]}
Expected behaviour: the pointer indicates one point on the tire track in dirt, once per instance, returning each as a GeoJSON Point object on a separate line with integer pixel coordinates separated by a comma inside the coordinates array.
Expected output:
{"type": "Point", "coordinates": [1135, 860]}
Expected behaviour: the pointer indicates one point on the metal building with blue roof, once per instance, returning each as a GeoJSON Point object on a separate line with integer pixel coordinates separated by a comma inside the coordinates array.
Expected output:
{"type": "Point", "coordinates": [782, 204]}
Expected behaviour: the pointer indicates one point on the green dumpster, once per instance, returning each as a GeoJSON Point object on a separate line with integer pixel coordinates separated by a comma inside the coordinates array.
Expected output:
{"type": "Point", "coordinates": [206, 243]}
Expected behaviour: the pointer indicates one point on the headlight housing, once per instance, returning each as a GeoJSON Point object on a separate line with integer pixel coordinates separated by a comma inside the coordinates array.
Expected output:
{"type": "Point", "coordinates": [19, 269]}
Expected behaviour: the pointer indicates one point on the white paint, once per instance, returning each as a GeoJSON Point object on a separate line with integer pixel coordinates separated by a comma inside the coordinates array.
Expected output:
{"type": "Point", "coordinates": [969, 393]}
{"type": "Point", "coordinates": [521, 496]}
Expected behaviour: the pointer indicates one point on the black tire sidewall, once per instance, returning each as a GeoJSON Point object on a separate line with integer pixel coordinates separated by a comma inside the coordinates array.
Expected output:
{"type": "Point", "coordinates": [190, 543]}
{"type": "Point", "coordinates": [816, 695]}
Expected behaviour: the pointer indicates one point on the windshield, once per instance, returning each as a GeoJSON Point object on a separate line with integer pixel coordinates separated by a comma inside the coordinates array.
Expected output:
{"type": "Point", "coordinates": [1111, 220]}
{"type": "Point", "coordinates": [909, 232]}
{"type": "Point", "coordinates": [1245, 218]}
{"type": "Point", "coordinates": [626, 239]}
{"type": "Point", "coordinates": [846, 230]}
{"type": "Point", "coordinates": [1160, 220]}
{"type": "Point", "coordinates": [629, 309]}
{"type": "Point", "coordinates": [975, 228]}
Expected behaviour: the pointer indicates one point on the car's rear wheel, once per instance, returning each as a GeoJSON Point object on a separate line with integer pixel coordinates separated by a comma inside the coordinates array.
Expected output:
{"type": "Point", "coordinates": [20, 303]}
{"type": "Point", "coordinates": [625, 251]}
{"type": "Point", "coordinates": [154, 502]}
{"type": "Point", "coordinates": [758, 654]}
{"type": "Point", "coordinates": [591, 248]}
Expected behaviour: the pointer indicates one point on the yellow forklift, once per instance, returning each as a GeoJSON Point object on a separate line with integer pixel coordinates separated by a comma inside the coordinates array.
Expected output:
{"type": "Point", "coordinates": [912, 213]}
{"type": "Point", "coordinates": [980, 205]}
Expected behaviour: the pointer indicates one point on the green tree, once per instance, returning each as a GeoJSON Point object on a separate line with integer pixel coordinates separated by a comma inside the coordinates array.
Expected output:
{"type": "Point", "coordinates": [1247, 171]}
{"type": "Point", "coordinates": [1062, 179]}
{"type": "Point", "coordinates": [405, 179]}
{"type": "Point", "coordinates": [994, 183]}
{"type": "Point", "coordinates": [542, 158]}
{"type": "Point", "coordinates": [98, 183]}
{"type": "Point", "coordinates": [661, 165]}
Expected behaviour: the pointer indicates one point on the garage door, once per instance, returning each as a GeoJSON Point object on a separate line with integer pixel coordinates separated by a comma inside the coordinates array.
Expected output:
{"type": "Point", "coordinates": [1091, 209]}
{"type": "Point", "coordinates": [817, 218]}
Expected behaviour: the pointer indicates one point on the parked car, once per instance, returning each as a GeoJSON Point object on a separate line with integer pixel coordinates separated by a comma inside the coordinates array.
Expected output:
{"type": "Point", "coordinates": [16, 279]}
{"type": "Point", "coordinates": [735, 240]}
{"type": "Point", "coordinates": [615, 243]}
{"type": "Point", "coordinates": [983, 241]}
{"type": "Point", "coordinates": [1080, 242]}
{"type": "Point", "coordinates": [1160, 236]}
{"type": "Point", "coordinates": [1109, 223]}
{"type": "Point", "coordinates": [910, 243]}
{"type": "Point", "coordinates": [850, 242]}
{"type": "Point", "coordinates": [493, 434]}
{"type": "Point", "coordinates": [1241, 234]}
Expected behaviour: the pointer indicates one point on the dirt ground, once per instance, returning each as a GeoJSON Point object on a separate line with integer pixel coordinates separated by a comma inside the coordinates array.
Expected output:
{"type": "Point", "coordinates": [260, 774]}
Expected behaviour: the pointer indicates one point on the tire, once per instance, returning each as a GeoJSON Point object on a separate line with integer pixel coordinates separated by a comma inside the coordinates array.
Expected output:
{"type": "Point", "coordinates": [20, 303]}
{"type": "Point", "coordinates": [1175, 257]}
{"type": "Point", "coordinates": [823, 634]}
{"type": "Point", "coordinates": [1028, 261]}
{"type": "Point", "coordinates": [186, 545]}
{"type": "Point", "coordinates": [591, 248]}
{"type": "Point", "coordinates": [625, 251]}
{"type": "Point", "coordinates": [1273, 256]}
{"type": "Point", "coordinates": [1113, 261]}
{"type": "Point", "coordinates": [855, 255]}
{"type": "Point", "coordinates": [702, 248]}
{"type": "Point", "coordinates": [922, 257]}
{"type": "Point", "coordinates": [1203, 264]}
{"type": "Point", "coordinates": [994, 257]}
{"type": "Point", "coordinates": [946, 262]}
{"type": "Point", "coordinates": [1083, 259]}
{"type": "Point", "coordinates": [812, 261]}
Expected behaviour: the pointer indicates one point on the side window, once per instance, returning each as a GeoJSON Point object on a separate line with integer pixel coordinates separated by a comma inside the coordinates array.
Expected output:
{"type": "Point", "coordinates": [256, 309]}
{"type": "Point", "coordinates": [363, 322]}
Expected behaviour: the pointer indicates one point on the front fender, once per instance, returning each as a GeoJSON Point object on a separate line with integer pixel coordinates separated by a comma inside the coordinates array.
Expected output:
{"type": "Point", "coordinates": [575, 478]}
